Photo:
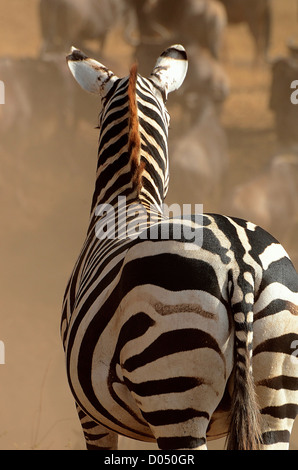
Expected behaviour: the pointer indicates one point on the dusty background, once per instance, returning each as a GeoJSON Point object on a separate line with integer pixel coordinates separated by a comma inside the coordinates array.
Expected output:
{"type": "Point", "coordinates": [45, 194]}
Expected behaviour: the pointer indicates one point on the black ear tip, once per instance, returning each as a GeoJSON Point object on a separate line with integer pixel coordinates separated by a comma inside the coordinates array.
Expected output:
{"type": "Point", "coordinates": [175, 52]}
{"type": "Point", "coordinates": [76, 55]}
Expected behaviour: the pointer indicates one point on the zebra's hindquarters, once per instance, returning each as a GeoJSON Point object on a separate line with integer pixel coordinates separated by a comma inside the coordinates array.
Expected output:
{"type": "Point", "coordinates": [180, 333]}
{"type": "Point", "coordinates": [155, 352]}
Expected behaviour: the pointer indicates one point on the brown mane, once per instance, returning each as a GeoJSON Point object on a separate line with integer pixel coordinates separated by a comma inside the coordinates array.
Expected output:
{"type": "Point", "coordinates": [134, 139]}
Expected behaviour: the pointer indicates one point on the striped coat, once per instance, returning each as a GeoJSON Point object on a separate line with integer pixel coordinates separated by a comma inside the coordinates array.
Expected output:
{"type": "Point", "coordinates": [175, 330]}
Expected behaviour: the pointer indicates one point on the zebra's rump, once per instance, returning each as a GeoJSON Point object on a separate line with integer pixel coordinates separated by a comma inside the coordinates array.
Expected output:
{"type": "Point", "coordinates": [159, 368]}
{"type": "Point", "coordinates": [165, 310]}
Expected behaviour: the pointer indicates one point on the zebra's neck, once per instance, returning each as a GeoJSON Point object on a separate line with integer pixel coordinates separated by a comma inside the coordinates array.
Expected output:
{"type": "Point", "coordinates": [132, 154]}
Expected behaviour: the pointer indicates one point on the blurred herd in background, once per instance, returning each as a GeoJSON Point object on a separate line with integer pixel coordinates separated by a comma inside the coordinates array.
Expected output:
{"type": "Point", "coordinates": [46, 110]}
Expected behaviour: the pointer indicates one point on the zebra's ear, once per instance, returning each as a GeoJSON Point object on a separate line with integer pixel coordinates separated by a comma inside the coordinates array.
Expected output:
{"type": "Point", "coordinates": [90, 74]}
{"type": "Point", "coordinates": [170, 69]}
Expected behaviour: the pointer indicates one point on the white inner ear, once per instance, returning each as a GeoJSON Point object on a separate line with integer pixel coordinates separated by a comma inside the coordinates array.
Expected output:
{"type": "Point", "coordinates": [91, 75]}
{"type": "Point", "coordinates": [170, 70]}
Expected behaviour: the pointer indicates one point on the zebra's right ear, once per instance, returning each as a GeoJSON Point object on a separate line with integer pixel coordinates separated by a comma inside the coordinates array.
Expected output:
{"type": "Point", "coordinates": [170, 69]}
{"type": "Point", "coordinates": [91, 75]}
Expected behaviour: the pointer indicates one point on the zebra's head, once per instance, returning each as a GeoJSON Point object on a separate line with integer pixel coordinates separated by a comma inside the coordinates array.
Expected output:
{"type": "Point", "coordinates": [135, 107]}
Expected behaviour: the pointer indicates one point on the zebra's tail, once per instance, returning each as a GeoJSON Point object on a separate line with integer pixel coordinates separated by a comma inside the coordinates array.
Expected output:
{"type": "Point", "coordinates": [244, 431]}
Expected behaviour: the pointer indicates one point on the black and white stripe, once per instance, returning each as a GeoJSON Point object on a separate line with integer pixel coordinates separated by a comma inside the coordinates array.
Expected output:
{"type": "Point", "coordinates": [171, 339]}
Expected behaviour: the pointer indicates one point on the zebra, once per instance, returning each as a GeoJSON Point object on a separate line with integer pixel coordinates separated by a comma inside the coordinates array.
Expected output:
{"type": "Point", "coordinates": [171, 340]}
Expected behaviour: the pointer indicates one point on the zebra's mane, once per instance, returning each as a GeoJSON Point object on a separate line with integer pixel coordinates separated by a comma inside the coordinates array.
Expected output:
{"type": "Point", "coordinates": [134, 139]}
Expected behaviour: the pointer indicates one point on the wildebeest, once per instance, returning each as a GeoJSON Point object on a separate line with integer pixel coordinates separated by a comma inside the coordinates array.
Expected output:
{"type": "Point", "coordinates": [207, 81]}
{"type": "Point", "coordinates": [271, 197]}
{"type": "Point", "coordinates": [40, 104]}
{"type": "Point", "coordinates": [200, 22]}
{"type": "Point", "coordinates": [258, 16]}
{"type": "Point", "coordinates": [36, 97]}
{"type": "Point", "coordinates": [284, 73]}
{"type": "Point", "coordinates": [199, 159]}
{"type": "Point", "coordinates": [197, 140]}
{"type": "Point", "coordinates": [68, 22]}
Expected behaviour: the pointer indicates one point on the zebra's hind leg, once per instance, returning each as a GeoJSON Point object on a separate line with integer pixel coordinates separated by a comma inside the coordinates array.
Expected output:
{"type": "Point", "coordinates": [97, 437]}
{"type": "Point", "coordinates": [278, 411]}
{"type": "Point", "coordinates": [176, 427]}
{"type": "Point", "coordinates": [190, 435]}
{"type": "Point", "coordinates": [275, 363]}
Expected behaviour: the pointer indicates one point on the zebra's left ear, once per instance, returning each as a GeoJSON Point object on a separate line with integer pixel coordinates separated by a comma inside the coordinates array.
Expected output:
{"type": "Point", "coordinates": [90, 74]}
{"type": "Point", "coordinates": [170, 69]}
